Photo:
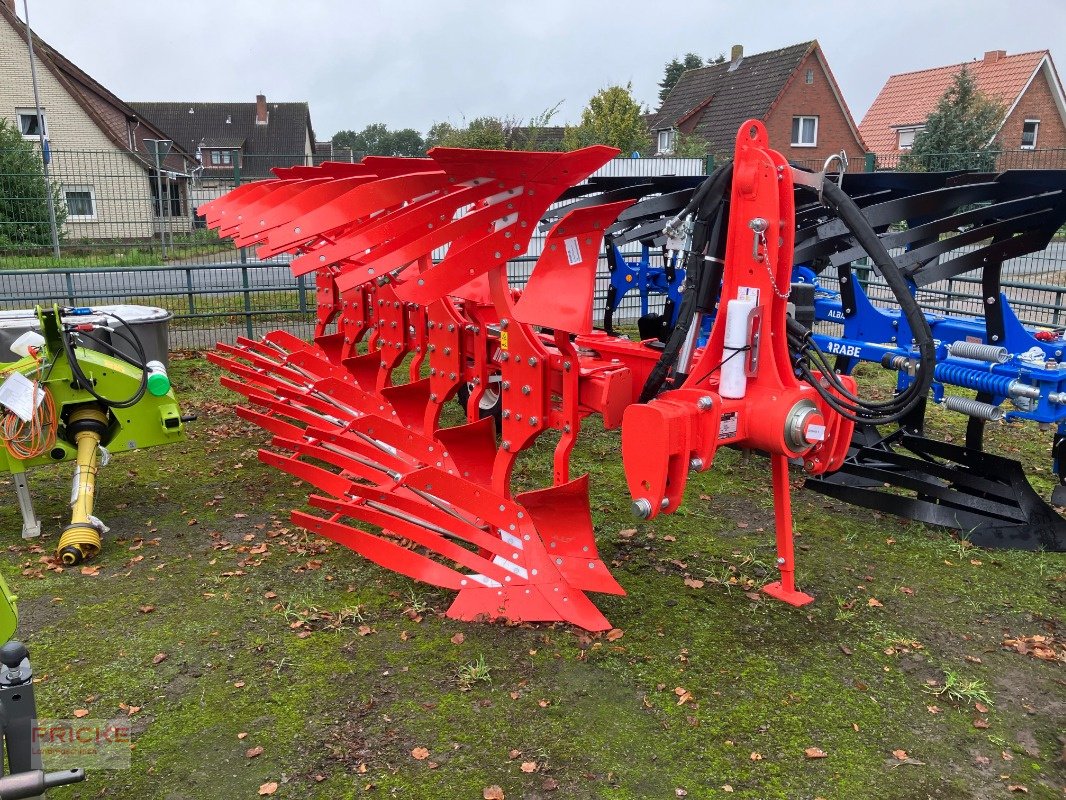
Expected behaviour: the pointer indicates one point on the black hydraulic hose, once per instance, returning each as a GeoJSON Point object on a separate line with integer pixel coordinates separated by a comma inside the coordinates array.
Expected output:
{"type": "Point", "coordinates": [708, 202]}
{"type": "Point", "coordinates": [865, 236]}
{"type": "Point", "coordinates": [86, 383]}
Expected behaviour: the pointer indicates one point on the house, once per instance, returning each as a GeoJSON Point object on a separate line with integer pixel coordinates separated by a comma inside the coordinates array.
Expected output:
{"type": "Point", "coordinates": [96, 143]}
{"type": "Point", "coordinates": [791, 90]}
{"type": "Point", "coordinates": [236, 142]}
{"type": "Point", "coordinates": [1026, 84]}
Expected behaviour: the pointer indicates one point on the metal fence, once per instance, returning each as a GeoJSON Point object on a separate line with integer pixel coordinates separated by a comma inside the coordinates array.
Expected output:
{"type": "Point", "coordinates": [116, 228]}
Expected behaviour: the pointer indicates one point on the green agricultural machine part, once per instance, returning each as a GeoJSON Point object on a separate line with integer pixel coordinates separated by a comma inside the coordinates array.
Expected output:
{"type": "Point", "coordinates": [77, 396]}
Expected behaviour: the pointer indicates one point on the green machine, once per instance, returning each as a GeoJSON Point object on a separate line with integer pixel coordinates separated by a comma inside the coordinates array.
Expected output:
{"type": "Point", "coordinates": [83, 391]}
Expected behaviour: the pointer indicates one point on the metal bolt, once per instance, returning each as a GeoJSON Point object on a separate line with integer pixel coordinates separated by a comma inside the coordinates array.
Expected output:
{"type": "Point", "coordinates": [695, 464]}
{"type": "Point", "coordinates": [527, 389]}
{"type": "Point", "coordinates": [451, 328]}
{"type": "Point", "coordinates": [532, 421]}
{"type": "Point", "coordinates": [705, 403]}
{"type": "Point", "coordinates": [506, 413]}
{"type": "Point", "coordinates": [505, 385]}
{"type": "Point", "coordinates": [780, 561]}
{"type": "Point", "coordinates": [532, 361]}
{"type": "Point", "coordinates": [504, 323]}
{"type": "Point", "coordinates": [451, 376]}
{"type": "Point", "coordinates": [433, 396]}
{"type": "Point", "coordinates": [566, 365]}
{"type": "Point", "coordinates": [665, 503]}
{"type": "Point", "coordinates": [641, 508]}
{"type": "Point", "coordinates": [505, 445]}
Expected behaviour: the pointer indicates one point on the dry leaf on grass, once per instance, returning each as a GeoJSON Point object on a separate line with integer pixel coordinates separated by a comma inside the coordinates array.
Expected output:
{"type": "Point", "coordinates": [493, 792]}
{"type": "Point", "coordinates": [420, 754]}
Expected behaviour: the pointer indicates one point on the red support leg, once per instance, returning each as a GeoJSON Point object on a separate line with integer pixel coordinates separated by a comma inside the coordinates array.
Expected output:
{"type": "Point", "coordinates": [784, 589]}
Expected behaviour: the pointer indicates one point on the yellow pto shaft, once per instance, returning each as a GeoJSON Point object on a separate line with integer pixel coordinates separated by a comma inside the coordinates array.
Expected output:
{"type": "Point", "coordinates": [81, 539]}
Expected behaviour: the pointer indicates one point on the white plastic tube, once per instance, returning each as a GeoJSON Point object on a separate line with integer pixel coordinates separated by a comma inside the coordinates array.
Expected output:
{"type": "Point", "coordinates": [734, 383]}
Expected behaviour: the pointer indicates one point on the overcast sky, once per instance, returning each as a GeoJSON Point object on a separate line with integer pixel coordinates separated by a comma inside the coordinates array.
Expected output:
{"type": "Point", "coordinates": [409, 64]}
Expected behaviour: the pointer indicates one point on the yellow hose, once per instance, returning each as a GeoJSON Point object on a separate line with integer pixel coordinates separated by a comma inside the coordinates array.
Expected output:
{"type": "Point", "coordinates": [81, 539]}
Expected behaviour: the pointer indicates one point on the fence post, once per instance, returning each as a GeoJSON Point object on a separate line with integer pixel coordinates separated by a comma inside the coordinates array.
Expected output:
{"type": "Point", "coordinates": [951, 293]}
{"type": "Point", "coordinates": [1058, 308]}
{"type": "Point", "coordinates": [708, 167]}
{"type": "Point", "coordinates": [247, 301]}
{"type": "Point", "coordinates": [235, 156]}
{"type": "Point", "coordinates": [301, 293]}
{"type": "Point", "coordinates": [70, 287]}
{"type": "Point", "coordinates": [870, 164]}
{"type": "Point", "coordinates": [188, 288]}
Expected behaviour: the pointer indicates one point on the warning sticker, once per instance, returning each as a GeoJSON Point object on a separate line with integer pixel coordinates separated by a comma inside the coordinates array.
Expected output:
{"type": "Point", "coordinates": [727, 428]}
{"type": "Point", "coordinates": [503, 340]}
{"type": "Point", "coordinates": [573, 251]}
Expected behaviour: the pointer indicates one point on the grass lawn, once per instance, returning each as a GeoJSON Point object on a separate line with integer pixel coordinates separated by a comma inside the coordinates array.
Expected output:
{"type": "Point", "coordinates": [233, 633]}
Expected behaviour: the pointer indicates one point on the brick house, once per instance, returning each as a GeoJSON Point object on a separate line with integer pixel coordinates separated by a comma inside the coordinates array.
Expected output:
{"type": "Point", "coordinates": [236, 142]}
{"type": "Point", "coordinates": [96, 142]}
{"type": "Point", "coordinates": [1026, 84]}
{"type": "Point", "coordinates": [791, 90]}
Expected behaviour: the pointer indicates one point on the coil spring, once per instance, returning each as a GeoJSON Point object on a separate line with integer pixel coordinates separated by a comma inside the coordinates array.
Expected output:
{"type": "Point", "coordinates": [974, 408]}
{"type": "Point", "coordinates": [973, 379]}
{"type": "Point", "coordinates": [980, 352]}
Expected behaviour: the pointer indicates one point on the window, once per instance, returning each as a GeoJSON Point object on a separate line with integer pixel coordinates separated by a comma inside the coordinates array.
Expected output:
{"type": "Point", "coordinates": [221, 158]}
{"type": "Point", "coordinates": [1030, 129]}
{"type": "Point", "coordinates": [29, 123]}
{"type": "Point", "coordinates": [666, 142]}
{"type": "Point", "coordinates": [81, 203]}
{"type": "Point", "coordinates": [809, 77]}
{"type": "Point", "coordinates": [906, 137]}
{"type": "Point", "coordinates": [805, 131]}
{"type": "Point", "coordinates": [216, 157]}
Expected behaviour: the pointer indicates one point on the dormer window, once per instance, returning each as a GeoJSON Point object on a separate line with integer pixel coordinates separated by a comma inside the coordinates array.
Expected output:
{"type": "Point", "coordinates": [221, 158]}
{"type": "Point", "coordinates": [905, 137]}
{"type": "Point", "coordinates": [666, 142]}
{"type": "Point", "coordinates": [1030, 129]}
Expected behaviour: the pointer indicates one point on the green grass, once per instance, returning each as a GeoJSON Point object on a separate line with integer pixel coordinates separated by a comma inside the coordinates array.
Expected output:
{"type": "Point", "coordinates": [339, 669]}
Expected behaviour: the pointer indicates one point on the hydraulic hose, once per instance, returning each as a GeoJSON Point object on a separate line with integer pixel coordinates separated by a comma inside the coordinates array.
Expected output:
{"type": "Point", "coordinates": [86, 383]}
{"type": "Point", "coordinates": [701, 283]}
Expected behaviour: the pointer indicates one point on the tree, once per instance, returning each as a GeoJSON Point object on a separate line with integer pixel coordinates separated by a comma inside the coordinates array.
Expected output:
{"type": "Point", "coordinates": [673, 70]}
{"type": "Point", "coordinates": [378, 140]}
{"type": "Point", "coordinates": [611, 117]}
{"type": "Point", "coordinates": [689, 146]}
{"type": "Point", "coordinates": [24, 193]}
{"type": "Point", "coordinates": [960, 133]}
{"type": "Point", "coordinates": [493, 133]}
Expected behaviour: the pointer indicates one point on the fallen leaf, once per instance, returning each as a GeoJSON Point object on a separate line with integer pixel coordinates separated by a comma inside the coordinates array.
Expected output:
{"type": "Point", "coordinates": [933, 709]}
{"type": "Point", "coordinates": [694, 583]}
{"type": "Point", "coordinates": [981, 707]}
{"type": "Point", "coordinates": [458, 638]}
{"type": "Point", "coordinates": [268, 788]}
{"type": "Point", "coordinates": [756, 756]}
{"type": "Point", "coordinates": [492, 793]}
{"type": "Point", "coordinates": [147, 609]}
{"type": "Point", "coordinates": [901, 755]}
{"type": "Point", "coordinates": [529, 766]}
{"type": "Point", "coordinates": [1017, 787]}
{"type": "Point", "coordinates": [420, 754]}
{"type": "Point", "coordinates": [873, 602]}
{"type": "Point", "coordinates": [159, 658]}
{"type": "Point", "coordinates": [238, 685]}
{"type": "Point", "coordinates": [726, 787]}
{"type": "Point", "coordinates": [365, 630]}
{"type": "Point", "coordinates": [549, 784]}
{"type": "Point", "coordinates": [980, 723]}
{"type": "Point", "coordinates": [81, 712]}
{"type": "Point", "coordinates": [544, 703]}
{"type": "Point", "coordinates": [679, 792]}
{"type": "Point", "coordinates": [270, 595]}
{"type": "Point", "coordinates": [628, 533]}
{"type": "Point", "coordinates": [242, 735]}
{"type": "Point", "coordinates": [513, 754]}
{"type": "Point", "coordinates": [92, 571]}
{"type": "Point", "coordinates": [814, 752]}
{"type": "Point", "coordinates": [254, 752]}
{"type": "Point", "coordinates": [614, 634]}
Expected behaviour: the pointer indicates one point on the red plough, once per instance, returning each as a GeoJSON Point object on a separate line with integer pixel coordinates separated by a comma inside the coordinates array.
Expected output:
{"type": "Point", "coordinates": [410, 264]}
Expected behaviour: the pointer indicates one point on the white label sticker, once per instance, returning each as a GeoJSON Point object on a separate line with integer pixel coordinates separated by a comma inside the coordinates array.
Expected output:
{"type": "Point", "coordinates": [748, 293]}
{"type": "Point", "coordinates": [727, 428]}
{"type": "Point", "coordinates": [816, 433]}
{"type": "Point", "coordinates": [573, 251]}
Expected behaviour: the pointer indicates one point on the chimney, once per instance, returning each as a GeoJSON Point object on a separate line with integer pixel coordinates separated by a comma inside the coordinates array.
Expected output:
{"type": "Point", "coordinates": [992, 56]}
{"type": "Point", "coordinates": [736, 53]}
{"type": "Point", "coordinates": [261, 115]}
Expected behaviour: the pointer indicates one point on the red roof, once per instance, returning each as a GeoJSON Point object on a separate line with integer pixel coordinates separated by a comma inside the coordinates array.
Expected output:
{"type": "Point", "coordinates": [909, 98]}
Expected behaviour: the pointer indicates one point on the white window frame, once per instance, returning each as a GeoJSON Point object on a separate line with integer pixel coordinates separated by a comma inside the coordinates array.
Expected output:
{"type": "Point", "coordinates": [92, 199]}
{"type": "Point", "coordinates": [799, 130]}
{"type": "Point", "coordinates": [30, 112]}
{"type": "Point", "coordinates": [1036, 134]}
{"type": "Point", "coordinates": [809, 77]}
{"type": "Point", "coordinates": [670, 135]}
{"type": "Point", "coordinates": [912, 131]}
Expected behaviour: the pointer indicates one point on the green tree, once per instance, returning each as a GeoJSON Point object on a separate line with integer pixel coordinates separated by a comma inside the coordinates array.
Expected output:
{"type": "Point", "coordinates": [494, 133]}
{"type": "Point", "coordinates": [611, 117]}
{"type": "Point", "coordinates": [24, 193]}
{"type": "Point", "coordinates": [960, 133]}
{"type": "Point", "coordinates": [689, 146]}
{"type": "Point", "coordinates": [378, 140]}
